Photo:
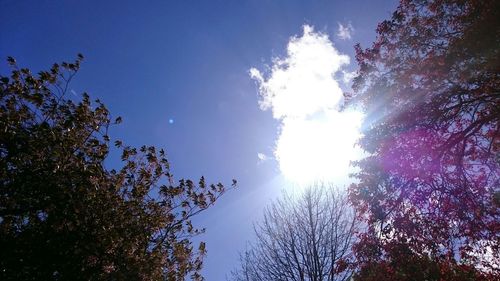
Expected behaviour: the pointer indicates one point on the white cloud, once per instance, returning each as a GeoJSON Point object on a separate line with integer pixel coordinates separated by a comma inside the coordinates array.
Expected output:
{"type": "Point", "coordinates": [345, 31]}
{"type": "Point", "coordinates": [315, 140]}
{"type": "Point", "coordinates": [309, 68]}
{"type": "Point", "coordinates": [262, 157]}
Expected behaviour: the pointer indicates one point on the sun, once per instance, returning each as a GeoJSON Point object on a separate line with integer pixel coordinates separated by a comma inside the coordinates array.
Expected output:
{"type": "Point", "coordinates": [316, 141]}
{"type": "Point", "coordinates": [320, 148]}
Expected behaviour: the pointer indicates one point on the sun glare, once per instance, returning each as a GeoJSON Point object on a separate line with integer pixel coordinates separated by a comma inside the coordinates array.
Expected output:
{"type": "Point", "coordinates": [316, 141]}
{"type": "Point", "coordinates": [320, 148]}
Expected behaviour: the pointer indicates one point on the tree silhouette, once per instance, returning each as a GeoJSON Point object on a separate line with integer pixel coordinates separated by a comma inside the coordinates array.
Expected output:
{"type": "Point", "coordinates": [306, 237]}
{"type": "Point", "coordinates": [64, 215]}
{"type": "Point", "coordinates": [429, 190]}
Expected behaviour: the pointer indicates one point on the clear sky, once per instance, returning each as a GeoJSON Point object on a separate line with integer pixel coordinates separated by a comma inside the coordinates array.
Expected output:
{"type": "Point", "coordinates": [178, 72]}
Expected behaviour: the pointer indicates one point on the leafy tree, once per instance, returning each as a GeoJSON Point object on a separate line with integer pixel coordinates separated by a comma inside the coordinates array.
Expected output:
{"type": "Point", "coordinates": [64, 215]}
{"type": "Point", "coordinates": [308, 237]}
{"type": "Point", "coordinates": [430, 189]}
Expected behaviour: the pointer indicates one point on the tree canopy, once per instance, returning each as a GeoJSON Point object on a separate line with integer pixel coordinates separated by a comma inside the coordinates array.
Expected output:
{"type": "Point", "coordinates": [429, 190]}
{"type": "Point", "coordinates": [64, 215]}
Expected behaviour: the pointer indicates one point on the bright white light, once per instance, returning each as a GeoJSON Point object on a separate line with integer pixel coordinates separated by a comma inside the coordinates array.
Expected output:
{"type": "Point", "coordinates": [318, 149]}
{"type": "Point", "coordinates": [316, 140]}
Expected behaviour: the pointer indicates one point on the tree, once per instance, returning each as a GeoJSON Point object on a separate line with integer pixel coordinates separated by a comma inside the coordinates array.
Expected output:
{"type": "Point", "coordinates": [64, 215]}
{"type": "Point", "coordinates": [308, 237]}
{"type": "Point", "coordinates": [429, 191]}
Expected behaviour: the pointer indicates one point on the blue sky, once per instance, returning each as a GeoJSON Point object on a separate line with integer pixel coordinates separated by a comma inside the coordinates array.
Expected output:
{"type": "Point", "coordinates": [188, 61]}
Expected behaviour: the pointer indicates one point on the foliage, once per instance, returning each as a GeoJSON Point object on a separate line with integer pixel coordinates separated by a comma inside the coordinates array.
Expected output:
{"type": "Point", "coordinates": [429, 190]}
{"type": "Point", "coordinates": [64, 215]}
{"type": "Point", "coordinates": [308, 237]}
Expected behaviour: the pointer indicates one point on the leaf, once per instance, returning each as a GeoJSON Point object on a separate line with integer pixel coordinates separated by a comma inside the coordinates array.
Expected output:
{"type": "Point", "coordinates": [11, 61]}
